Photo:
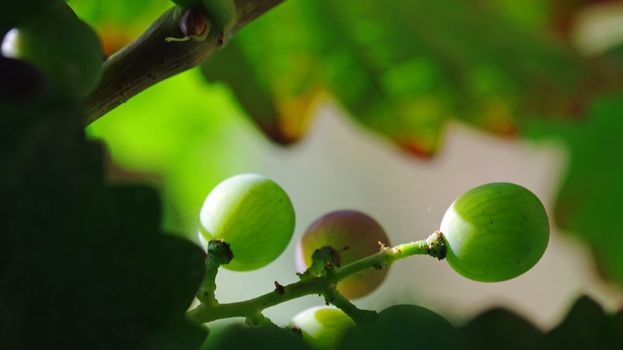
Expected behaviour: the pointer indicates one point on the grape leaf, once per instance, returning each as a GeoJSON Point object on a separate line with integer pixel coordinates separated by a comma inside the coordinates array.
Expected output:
{"type": "Point", "coordinates": [13, 12]}
{"type": "Point", "coordinates": [231, 65]}
{"type": "Point", "coordinates": [398, 327]}
{"type": "Point", "coordinates": [586, 326]}
{"type": "Point", "coordinates": [83, 264]}
{"type": "Point", "coordinates": [182, 136]}
{"type": "Point", "coordinates": [181, 335]}
{"type": "Point", "coordinates": [499, 328]}
{"type": "Point", "coordinates": [586, 201]}
{"type": "Point", "coordinates": [262, 337]}
{"type": "Point", "coordinates": [118, 22]}
{"type": "Point", "coordinates": [405, 68]}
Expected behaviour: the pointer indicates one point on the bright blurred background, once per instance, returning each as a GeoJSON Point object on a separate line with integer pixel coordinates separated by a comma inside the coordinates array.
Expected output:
{"type": "Point", "coordinates": [395, 108]}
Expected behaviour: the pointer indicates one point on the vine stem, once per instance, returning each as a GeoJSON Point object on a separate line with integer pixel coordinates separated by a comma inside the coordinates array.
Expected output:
{"type": "Point", "coordinates": [219, 253]}
{"type": "Point", "coordinates": [150, 59]}
{"type": "Point", "coordinates": [361, 317]}
{"type": "Point", "coordinates": [434, 246]}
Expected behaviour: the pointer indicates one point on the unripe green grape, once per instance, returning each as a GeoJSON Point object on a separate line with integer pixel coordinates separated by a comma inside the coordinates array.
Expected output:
{"type": "Point", "coordinates": [63, 47]}
{"type": "Point", "coordinates": [495, 232]}
{"type": "Point", "coordinates": [322, 326]}
{"type": "Point", "coordinates": [254, 215]}
{"type": "Point", "coordinates": [354, 235]}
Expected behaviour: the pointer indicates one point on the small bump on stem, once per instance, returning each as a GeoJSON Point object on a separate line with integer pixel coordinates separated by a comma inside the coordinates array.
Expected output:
{"type": "Point", "coordinates": [194, 25]}
{"type": "Point", "coordinates": [324, 260]}
{"type": "Point", "coordinates": [280, 289]}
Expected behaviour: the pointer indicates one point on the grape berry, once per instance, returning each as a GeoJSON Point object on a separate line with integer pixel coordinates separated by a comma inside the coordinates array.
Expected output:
{"type": "Point", "coordinates": [251, 213]}
{"type": "Point", "coordinates": [495, 232]}
{"type": "Point", "coordinates": [353, 235]}
{"type": "Point", "coordinates": [322, 326]}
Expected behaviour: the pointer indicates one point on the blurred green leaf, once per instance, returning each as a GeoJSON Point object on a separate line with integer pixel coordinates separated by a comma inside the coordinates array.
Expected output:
{"type": "Point", "coordinates": [405, 68]}
{"type": "Point", "coordinates": [181, 335]}
{"type": "Point", "coordinates": [119, 21]}
{"type": "Point", "coordinates": [588, 196]}
{"type": "Point", "coordinates": [262, 337]}
{"type": "Point", "coordinates": [403, 327]}
{"type": "Point", "coordinates": [83, 265]}
{"type": "Point", "coordinates": [13, 12]}
{"type": "Point", "coordinates": [586, 326]}
{"type": "Point", "coordinates": [499, 329]}
{"type": "Point", "coordinates": [181, 135]}
{"type": "Point", "coordinates": [231, 65]}
{"type": "Point", "coordinates": [128, 13]}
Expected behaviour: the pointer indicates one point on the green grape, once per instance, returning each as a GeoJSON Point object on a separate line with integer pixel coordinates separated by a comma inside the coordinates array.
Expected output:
{"type": "Point", "coordinates": [322, 326]}
{"type": "Point", "coordinates": [251, 213]}
{"type": "Point", "coordinates": [495, 232]}
{"type": "Point", "coordinates": [64, 48]}
{"type": "Point", "coordinates": [354, 235]}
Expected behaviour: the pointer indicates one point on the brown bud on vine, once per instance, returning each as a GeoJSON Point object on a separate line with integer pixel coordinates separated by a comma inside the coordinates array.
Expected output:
{"type": "Point", "coordinates": [194, 25]}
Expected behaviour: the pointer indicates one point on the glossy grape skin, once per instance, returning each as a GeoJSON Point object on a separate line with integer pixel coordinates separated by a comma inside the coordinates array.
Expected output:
{"type": "Point", "coordinates": [322, 326]}
{"type": "Point", "coordinates": [495, 232]}
{"type": "Point", "coordinates": [359, 233]}
{"type": "Point", "coordinates": [64, 48]}
{"type": "Point", "coordinates": [254, 215]}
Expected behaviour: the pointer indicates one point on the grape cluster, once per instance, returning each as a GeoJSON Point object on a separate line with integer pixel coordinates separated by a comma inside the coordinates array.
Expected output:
{"type": "Point", "coordinates": [493, 232]}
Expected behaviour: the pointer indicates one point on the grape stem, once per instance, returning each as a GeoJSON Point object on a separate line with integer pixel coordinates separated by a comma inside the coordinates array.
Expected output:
{"type": "Point", "coordinates": [219, 253]}
{"type": "Point", "coordinates": [434, 246]}
{"type": "Point", "coordinates": [361, 317]}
